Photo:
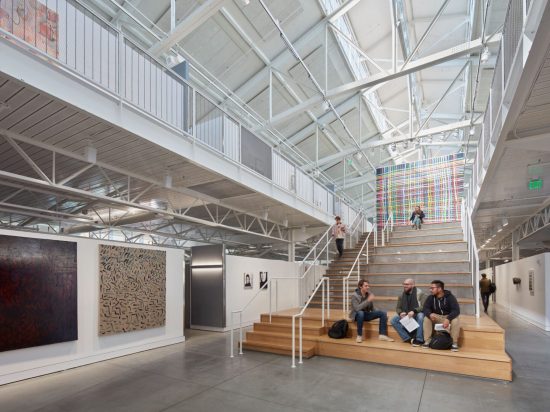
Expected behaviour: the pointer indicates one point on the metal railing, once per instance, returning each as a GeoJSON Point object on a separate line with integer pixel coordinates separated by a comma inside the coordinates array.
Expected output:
{"type": "Point", "coordinates": [315, 256]}
{"type": "Point", "coordinates": [325, 291]}
{"type": "Point", "coordinates": [70, 35]}
{"type": "Point", "coordinates": [388, 228]}
{"type": "Point", "coordinates": [325, 240]}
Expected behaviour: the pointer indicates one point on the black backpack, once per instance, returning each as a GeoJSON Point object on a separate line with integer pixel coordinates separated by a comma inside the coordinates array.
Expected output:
{"type": "Point", "coordinates": [441, 340]}
{"type": "Point", "coordinates": [492, 287]}
{"type": "Point", "coordinates": [339, 329]}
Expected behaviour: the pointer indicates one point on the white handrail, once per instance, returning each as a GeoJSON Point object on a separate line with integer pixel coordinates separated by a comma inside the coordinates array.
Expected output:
{"type": "Point", "coordinates": [355, 226]}
{"type": "Point", "coordinates": [345, 280]}
{"type": "Point", "coordinates": [269, 285]}
{"type": "Point", "coordinates": [301, 313]}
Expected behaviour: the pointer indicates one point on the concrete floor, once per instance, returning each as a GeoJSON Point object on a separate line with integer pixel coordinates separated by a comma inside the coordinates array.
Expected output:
{"type": "Point", "coordinates": [199, 376]}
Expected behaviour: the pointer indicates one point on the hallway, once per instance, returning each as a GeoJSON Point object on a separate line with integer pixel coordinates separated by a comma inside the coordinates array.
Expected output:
{"type": "Point", "coordinates": [199, 376]}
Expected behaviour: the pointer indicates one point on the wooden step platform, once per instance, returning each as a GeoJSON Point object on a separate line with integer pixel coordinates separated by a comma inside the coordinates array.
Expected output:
{"type": "Point", "coordinates": [482, 343]}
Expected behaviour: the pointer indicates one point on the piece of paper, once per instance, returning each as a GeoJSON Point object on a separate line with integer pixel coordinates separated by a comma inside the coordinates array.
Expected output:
{"type": "Point", "coordinates": [409, 323]}
{"type": "Point", "coordinates": [439, 327]}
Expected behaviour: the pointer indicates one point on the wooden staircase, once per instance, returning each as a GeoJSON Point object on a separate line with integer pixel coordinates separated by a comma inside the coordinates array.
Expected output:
{"type": "Point", "coordinates": [435, 252]}
{"type": "Point", "coordinates": [482, 344]}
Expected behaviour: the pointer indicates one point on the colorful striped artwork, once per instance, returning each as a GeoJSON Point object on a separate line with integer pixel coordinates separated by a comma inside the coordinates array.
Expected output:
{"type": "Point", "coordinates": [434, 184]}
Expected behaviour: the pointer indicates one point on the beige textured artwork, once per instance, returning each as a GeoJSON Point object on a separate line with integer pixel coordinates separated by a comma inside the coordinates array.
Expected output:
{"type": "Point", "coordinates": [132, 289]}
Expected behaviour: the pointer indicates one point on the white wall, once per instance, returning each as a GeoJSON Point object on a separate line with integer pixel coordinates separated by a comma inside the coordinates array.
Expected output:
{"type": "Point", "coordinates": [90, 347]}
{"type": "Point", "coordinates": [517, 298]}
{"type": "Point", "coordinates": [237, 297]}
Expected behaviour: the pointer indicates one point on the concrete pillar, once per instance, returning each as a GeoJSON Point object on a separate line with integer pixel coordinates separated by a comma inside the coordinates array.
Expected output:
{"type": "Point", "coordinates": [515, 246]}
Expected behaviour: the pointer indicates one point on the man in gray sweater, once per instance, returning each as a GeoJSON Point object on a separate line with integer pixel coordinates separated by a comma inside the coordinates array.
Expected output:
{"type": "Point", "coordinates": [362, 310]}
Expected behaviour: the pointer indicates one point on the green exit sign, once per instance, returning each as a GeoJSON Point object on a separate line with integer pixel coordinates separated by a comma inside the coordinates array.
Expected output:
{"type": "Point", "coordinates": [535, 184]}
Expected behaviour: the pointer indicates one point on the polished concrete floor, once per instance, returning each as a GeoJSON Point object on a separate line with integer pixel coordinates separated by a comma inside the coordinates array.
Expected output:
{"type": "Point", "coordinates": [198, 375]}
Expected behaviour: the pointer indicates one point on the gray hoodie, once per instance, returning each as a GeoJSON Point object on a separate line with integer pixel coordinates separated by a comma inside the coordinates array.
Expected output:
{"type": "Point", "coordinates": [358, 302]}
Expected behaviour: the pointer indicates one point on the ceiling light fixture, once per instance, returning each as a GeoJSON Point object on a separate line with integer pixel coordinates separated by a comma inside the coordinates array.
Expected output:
{"type": "Point", "coordinates": [504, 222]}
{"type": "Point", "coordinates": [325, 106]}
{"type": "Point", "coordinates": [245, 2]}
{"type": "Point", "coordinates": [472, 130]}
{"type": "Point", "coordinates": [358, 155]}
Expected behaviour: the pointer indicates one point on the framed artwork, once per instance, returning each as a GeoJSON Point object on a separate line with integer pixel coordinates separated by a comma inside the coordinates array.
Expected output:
{"type": "Point", "coordinates": [38, 292]}
{"type": "Point", "coordinates": [132, 289]}
{"type": "Point", "coordinates": [248, 280]}
{"type": "Point", "coordinates": [263, 281]}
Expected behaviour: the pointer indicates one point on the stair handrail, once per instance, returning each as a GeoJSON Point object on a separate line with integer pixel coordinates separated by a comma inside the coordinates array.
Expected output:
{"type": "Point", "coordinates": [240, 311]}
{"type": "Point", "coordinates": [388, 227]}
{"type": "Point", "coordinates": [345, 280]}
{"type": "Point", "coordinates": [325, 290]}
{"type": "Point", "coordinates": [473, 256]}
{"type": "Point", "coordinates": [357, 224]}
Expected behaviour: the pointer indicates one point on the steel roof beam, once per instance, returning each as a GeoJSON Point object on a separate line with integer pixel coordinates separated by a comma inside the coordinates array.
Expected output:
{"type": "Point", "coordinates": [187, 26]}
{"type": "Point", "coordinates": [364, 84]}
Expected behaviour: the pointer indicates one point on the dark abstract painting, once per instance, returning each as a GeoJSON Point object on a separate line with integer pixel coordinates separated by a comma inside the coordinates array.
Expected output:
{"type": "Point", "coordinates": [38, 295]}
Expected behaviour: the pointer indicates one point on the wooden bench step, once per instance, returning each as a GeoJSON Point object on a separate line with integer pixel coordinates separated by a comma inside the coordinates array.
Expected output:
{"type": "Point", "coordinates": [280, 349]}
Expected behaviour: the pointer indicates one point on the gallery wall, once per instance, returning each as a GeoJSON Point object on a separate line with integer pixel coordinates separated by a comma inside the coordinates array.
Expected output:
{"type": "Point", "coordinates": [237, 296]}
{"type": "Point", "coordinates": [91, 347]}
{"type": "Point", "coordinates": [530, 303]}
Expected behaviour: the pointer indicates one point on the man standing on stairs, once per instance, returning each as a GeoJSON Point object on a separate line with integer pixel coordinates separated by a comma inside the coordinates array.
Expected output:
{"type": "Point", "coordinates": [441, 308]}
{"type": "Point", "coordinates": [410, 303]}
{"type": "Point", "coordinates": [485, 290]}
{"type": "Point", "coordinates": [338, 232]}
{"type": "Point", "coordinates": [362, 310]}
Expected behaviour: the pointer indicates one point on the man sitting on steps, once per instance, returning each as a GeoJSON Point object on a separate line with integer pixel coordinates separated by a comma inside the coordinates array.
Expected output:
{"type": "Point", "coordinates": [410, 303]}
{"type": "Point", "coordinates": [441, 308]}
{"type": "Point", "coordinates": [362, 310]}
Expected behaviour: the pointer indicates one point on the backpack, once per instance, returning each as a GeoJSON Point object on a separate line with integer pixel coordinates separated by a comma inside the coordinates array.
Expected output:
{"type": "Point", "coordinates": [492, 287]}
{"type": "Point", "coordinates": [441, 340]}
{"type": "Point", "coordinates": [339, 329]}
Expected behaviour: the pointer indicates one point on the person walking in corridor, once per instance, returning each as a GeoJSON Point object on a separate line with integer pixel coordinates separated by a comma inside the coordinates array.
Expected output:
{"type": "Point", "coordinates": [338, 232]}
{"type": "Point", "coordinates": [485, 290]}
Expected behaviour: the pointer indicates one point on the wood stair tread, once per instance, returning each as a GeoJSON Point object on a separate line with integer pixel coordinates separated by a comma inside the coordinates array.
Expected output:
{"type": "Point", "coordinates": [388, 244]}
{"type": "Point", "coordinates": [419, 253]}
{"type": "Point", "coordinates": [416, 263]}
{"type": "Point", "coordinates": [494, 355]}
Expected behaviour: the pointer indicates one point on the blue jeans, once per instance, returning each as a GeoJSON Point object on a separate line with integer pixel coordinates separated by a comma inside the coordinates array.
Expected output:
{"type": "Point", "coordinates": [405, 335]}
{"type": "Point", "coordinates": [417, 221]}
{"type": "Point", "coordinates": [363, 316]}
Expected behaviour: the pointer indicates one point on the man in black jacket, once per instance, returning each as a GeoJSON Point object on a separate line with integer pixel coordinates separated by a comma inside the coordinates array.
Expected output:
{"type": "Point", "coordinates": [441, 308]}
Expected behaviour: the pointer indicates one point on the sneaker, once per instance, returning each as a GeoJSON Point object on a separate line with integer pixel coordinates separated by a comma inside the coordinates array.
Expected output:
{"type": "Point", "coordinates": [426, 345]}
{"type": "Point", "coordinates": [386, 338]}
{"type": "Point", "coordinates": [416, 343]}
{"type": "Point", "coordinates": [359, 339]}
{"type": "Point", "coordinates": [454, 347]}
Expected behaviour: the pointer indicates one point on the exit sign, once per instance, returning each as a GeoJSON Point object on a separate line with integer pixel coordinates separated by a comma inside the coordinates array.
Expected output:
{"type": "Point", "coordinates": [535, 184]}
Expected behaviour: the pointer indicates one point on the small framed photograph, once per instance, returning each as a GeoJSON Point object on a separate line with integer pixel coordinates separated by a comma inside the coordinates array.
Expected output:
{"type": "Point", "coordinates": [263, 280]}
{"type": "Point", "coordinates": [248, 280]}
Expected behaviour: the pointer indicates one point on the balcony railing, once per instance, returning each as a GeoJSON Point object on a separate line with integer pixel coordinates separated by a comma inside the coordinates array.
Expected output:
{"type": "Point", "coordinates": [67, 33]}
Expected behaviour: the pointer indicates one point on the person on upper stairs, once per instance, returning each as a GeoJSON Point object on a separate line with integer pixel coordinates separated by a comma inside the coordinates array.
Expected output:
{"type": "Point", "coordinates": [338, 232]}
{"type": "Point", "coordinates": [417, 218]}
{"type": "Point", "coordinates": [362, 309]}
{"type": "Point", "coordinates": [410, 304]}
{"type": "Point", "coordinates": [441, 308]}
{"type": "Point", "coordinates": [485, 290]}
